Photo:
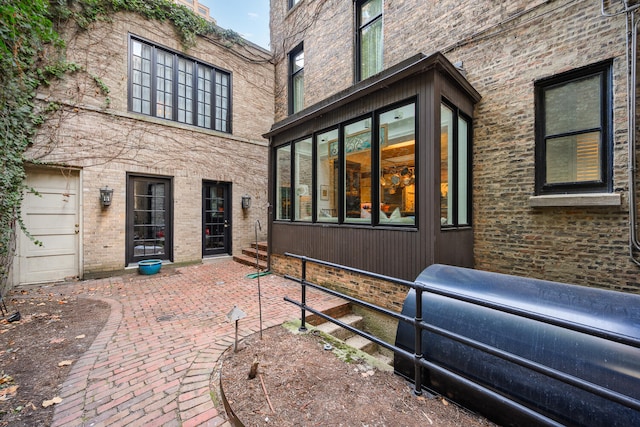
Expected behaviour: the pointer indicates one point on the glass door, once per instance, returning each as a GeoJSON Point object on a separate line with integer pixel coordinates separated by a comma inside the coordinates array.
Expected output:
{"type": "Point", "coordinates": [216, 218]}
{"type": "Point", "coordinates": [149, 218]}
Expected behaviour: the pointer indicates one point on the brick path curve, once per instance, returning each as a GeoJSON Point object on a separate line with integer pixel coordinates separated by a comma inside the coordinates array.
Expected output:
{"type": "Point", "coordinates": [152, 363]}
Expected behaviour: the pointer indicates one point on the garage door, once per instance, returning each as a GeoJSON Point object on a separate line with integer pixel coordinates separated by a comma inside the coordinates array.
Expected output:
{"type": "Point", "coordinates": [52, 218]}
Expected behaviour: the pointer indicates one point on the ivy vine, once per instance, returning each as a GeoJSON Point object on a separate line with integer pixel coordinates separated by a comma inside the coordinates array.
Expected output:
{"type": "Point", "coordinates": [28, 28]}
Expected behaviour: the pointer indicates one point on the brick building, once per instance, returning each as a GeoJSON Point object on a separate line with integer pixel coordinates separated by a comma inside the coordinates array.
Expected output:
{"type": "Point", "coordinates": [485, 134]}
{"type": "Point", "coordinates": [173, 132]}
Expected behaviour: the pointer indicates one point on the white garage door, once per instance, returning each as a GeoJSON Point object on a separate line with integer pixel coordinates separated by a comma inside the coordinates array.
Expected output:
{"type": "Point", "coordinates": [52, 218]}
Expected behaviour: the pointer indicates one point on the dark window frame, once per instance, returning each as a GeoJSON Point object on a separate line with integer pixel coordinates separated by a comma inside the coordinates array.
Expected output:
{"type": "Point", "coordinates": [358, 34]}
{"type": "Point", "coordinates": [292, 3]}
{"type": "Point", "coordinates": [130, 212]}
{"type": "Point", "coordinates": [455, 185]}
{"type": "Point", "coordinates": [225, 120]}
{"type": "Point", "coordinates": [292, 74]}
{"type": "Point", "coordinates": [603, 69]}
{"type": "Point", "coordinates": [373, 116]}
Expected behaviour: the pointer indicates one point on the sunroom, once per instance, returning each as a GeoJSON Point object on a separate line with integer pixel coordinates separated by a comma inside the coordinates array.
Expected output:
{"type": "Point", "coordinates": [378, 176]}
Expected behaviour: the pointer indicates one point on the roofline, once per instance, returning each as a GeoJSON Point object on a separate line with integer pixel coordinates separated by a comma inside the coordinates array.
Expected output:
{"type": "Point", "coordinates": [416, 64]}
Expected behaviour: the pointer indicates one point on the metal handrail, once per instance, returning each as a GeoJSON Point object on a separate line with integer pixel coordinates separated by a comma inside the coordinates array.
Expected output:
{"type": "Point", "coordinates": [419, 325]}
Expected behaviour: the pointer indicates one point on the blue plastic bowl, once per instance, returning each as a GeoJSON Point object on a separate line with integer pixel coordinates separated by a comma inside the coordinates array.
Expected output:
{"type": "Point", "coordinates": [149, 266]}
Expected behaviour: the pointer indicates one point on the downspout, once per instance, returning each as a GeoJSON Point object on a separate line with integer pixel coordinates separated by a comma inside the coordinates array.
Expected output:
{"type": "Point", "coordinates": [634, 243]}
{"type": "Point", "coordinates": [631, 58]}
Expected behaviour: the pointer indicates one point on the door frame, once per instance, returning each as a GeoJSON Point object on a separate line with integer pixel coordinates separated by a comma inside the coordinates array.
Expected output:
{"type": "Point", "coordinates": [130, 257]}
{"type": "Point", "coordinates": [227, 218]}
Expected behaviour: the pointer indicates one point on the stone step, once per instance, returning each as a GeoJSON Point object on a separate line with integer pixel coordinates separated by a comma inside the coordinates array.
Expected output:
{"type": "Point", "coordinates": [250, 261]}
{"type": "Point", "coordinates": [338, 331]}
{"type": "Point", "coordinates": [251, 253]}
{"type": "Point", "coordinates": [262, 246]}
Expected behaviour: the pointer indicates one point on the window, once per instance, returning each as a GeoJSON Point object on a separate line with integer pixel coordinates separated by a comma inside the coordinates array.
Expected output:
{"type": "Point", "coordinates": [362, 172]}
{"type": "Point", "coordinates": [368, 38]}
{"type": "Point", "coordinates": [327, 177]}
{"type": "Point", "coordinates": [293, 3]}
{"type": "Point", "coordinates": [455, 158]}
{"type": "Point", "coordinates": [303, 168]}
{"type": "Point", "coordinates": [166, 85]}
{"type": "Point", "coordinates": [283, 182]}
{"type": "Point", "coordinates": [573, 131]}
{"type": "Point", "coordinates": [296, 80]}
{"type": "Point", "coordinates": [397, 169]}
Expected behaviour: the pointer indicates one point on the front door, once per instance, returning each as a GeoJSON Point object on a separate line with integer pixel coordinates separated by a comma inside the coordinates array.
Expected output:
{"type": "Point", "coordinates": [216, 218]}
{"type": "Point", "coordinates": [149, 218]}
{"type": "Point", "coordinates": [52, 218]}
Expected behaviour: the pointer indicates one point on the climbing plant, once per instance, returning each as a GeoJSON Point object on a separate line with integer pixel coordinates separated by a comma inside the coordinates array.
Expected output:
{"type": "Point", "coordinates": [28, 30]}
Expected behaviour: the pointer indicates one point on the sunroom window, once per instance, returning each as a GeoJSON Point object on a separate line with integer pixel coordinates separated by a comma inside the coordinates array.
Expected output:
{"type": "Point", "coordinates": [455, 164]}
{"type": "Point", "coordinates": [361, 172]}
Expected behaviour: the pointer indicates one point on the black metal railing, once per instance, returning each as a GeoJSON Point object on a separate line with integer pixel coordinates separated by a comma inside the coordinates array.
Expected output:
{"type": "Point", "coordinates": [417, 322]}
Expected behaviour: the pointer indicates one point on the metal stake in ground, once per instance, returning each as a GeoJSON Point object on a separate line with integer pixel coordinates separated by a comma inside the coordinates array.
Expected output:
{"type": "Point", "coordinates": [234, 315]}
{"type": "Point", "coordinates": [256, 226]}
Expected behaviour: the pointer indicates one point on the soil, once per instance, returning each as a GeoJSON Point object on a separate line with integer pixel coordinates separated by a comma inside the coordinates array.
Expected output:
{"type": "Point", "coordinates": [303, 383]}
{"type": "Point", "coordinates": [300, 383]}
{"type": "Point", "coordinates": [38, 351]}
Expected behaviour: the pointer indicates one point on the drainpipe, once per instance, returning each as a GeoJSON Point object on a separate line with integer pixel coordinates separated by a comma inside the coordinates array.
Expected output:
{"type": "Point", "coordinates": [634, 243]}
{"type": "Point", "coordinates": [631, 58]}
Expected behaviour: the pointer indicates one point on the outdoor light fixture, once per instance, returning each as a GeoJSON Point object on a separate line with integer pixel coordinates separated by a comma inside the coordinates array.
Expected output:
{"type": "Point", "coordinates": [246, 201]}
{"type": "Point", "coordinates": [106, 194]}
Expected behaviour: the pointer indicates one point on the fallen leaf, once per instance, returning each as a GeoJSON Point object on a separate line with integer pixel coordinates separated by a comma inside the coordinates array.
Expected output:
{"type": "Point", "coordinates": [79, 337]}
{"type": "Point", "coordinates": [444, 402]}
{"type": "Point", "coordinates": [65, 363]}
{"type": "Point", "coordinates": [8, 392]}
{"type": "Point", "coordinates": [62, 301]}
{"type": "Point", "coordinates": [43, 303]}
{"type": "Point", "coordinates": [53, 401]}
{"type": "Point", "coordinates": [56, 340]}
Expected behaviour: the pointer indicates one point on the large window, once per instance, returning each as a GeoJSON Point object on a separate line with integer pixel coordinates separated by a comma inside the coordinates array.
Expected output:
{"type": "Point", "coordinates": [368, 38]}
{"type": "Point", "coordinates": [455, 162]}
{"type": "Point", "coordinates": [166, 85]}
{"type": "Point", "coordinates": [361, 172]}
{"type": "Point", "coordinates": [296, 79]}
{"type": "Point", "coordinates": [573, 136]}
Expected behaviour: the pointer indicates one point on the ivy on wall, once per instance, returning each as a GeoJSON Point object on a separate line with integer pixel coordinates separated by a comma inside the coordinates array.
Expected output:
{"type": "Point", "coordinates": [28, 29]}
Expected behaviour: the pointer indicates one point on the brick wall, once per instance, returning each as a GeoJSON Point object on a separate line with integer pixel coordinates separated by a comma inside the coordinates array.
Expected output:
{"type": "Point", "coordinates": [505, 47]}
{"type": "Point", "coordinates": [107, 141]}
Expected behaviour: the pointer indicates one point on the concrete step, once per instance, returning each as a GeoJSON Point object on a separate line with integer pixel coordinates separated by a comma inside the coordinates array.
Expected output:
{"type": "Point", "coordinates": [338, 331]}
{"type": "Point", "coordinates": [362, 344]}
{"type": "Point", "coordinates": [336, 312]}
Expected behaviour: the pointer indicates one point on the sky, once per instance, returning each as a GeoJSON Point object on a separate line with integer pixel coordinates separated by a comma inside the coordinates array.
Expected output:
{"type": "Point", "coordinates": [249, 18]}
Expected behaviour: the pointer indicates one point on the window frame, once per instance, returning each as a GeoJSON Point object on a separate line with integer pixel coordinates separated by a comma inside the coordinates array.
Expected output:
{"type": "Point", "coordinates": [454, 186]}
{"type": "Point", "coordinates": [603, 69]}
{"type": "Point", "coordinates": [341, 220]}
{"type": "Point", "coordinates": [224, 121]}
{"type": "Point", "coordinates": [359, 28]}
{"type": "Point", "coordinates": [293, 3]}
{"type": "Point", "coordinates": [292, 74]}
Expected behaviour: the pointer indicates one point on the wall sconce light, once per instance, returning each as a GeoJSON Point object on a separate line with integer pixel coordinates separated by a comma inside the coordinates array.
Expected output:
{"type": "Point", "coordinates": [246, 201]}
{"type": "Point", "coordinates": [106, 194]}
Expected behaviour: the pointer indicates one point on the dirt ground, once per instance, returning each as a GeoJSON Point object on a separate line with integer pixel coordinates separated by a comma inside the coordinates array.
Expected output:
{"type": "Point", "coordinates": [37, 352]}
{"type": "Point", "coordinates": [299, 383]}
{"type": "Point", "coordinates": [303, 383]}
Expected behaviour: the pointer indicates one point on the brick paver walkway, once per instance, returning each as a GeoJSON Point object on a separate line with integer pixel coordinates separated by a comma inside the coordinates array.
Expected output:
{"type": "Point", "coordinates": [151, 364]}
